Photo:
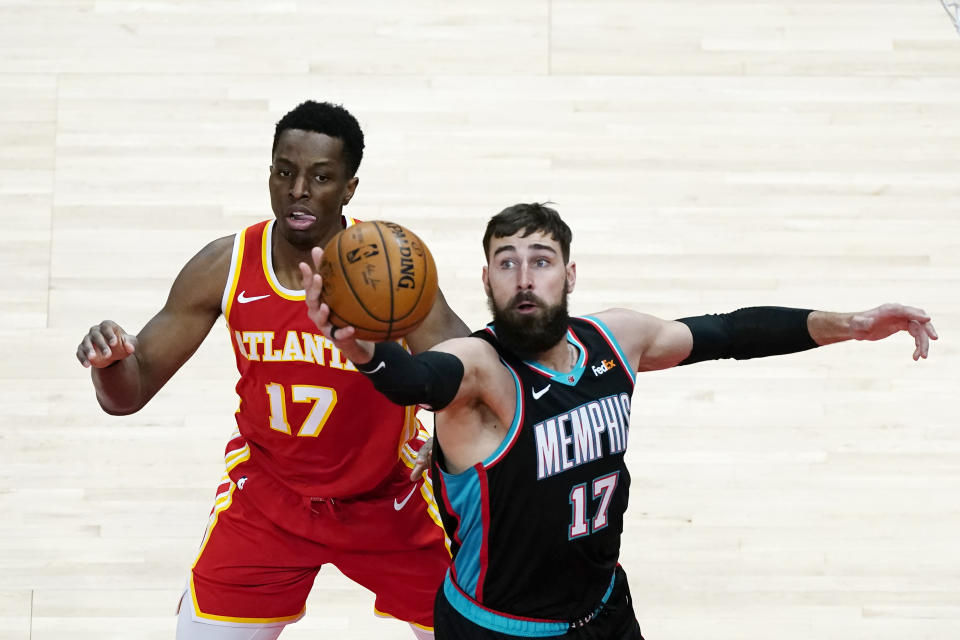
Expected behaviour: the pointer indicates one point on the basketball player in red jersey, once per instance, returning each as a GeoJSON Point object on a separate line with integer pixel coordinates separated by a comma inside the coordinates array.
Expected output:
{"type": "Point", "coordinates": [319, 468]}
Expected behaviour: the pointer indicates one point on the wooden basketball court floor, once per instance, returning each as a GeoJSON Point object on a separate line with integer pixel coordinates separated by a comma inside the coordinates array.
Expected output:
{"type": "Point", "coordinates": [708, 154]}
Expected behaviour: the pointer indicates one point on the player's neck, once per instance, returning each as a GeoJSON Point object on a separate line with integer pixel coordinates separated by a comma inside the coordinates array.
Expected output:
{"type": "Point", "coordinates": [561, 357]}
{"type": "Point", "coordinates": [286, 261]}
{"type": "Point", "coordinates": [288, 256]}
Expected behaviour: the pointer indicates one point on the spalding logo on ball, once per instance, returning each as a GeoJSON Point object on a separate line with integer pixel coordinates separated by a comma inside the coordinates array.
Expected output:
{"type": "Point", "coordinates": [378, 277]}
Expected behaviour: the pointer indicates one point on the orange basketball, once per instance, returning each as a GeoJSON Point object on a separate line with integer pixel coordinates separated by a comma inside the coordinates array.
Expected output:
{"type": "Point", "coordinates": [378, 277]}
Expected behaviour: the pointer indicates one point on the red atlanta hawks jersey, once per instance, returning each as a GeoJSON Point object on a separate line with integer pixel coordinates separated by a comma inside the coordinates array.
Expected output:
{"type": "Point", "coordinates": [306, 414]}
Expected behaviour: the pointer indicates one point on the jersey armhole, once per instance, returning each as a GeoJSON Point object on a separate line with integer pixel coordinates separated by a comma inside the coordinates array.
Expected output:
{"type": "Point", "coordinates": [233, 275]}
{"type": "Point", "coordinates": [612, 341]}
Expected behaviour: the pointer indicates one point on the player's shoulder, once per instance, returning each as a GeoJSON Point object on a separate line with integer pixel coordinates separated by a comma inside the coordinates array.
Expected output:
{"type": "Point", "coordinates": [621, 314]}
{"type": "Point", "coordinates": [469, 348]}
{"type": "Point", "coordinates": [219, 249]}
{"type": "Point", "coordinates": [204, 275]}
{"type": "Point", "coordinates": [621, 318]}
{"type": "Point", "coordinates": [630, 326]}
{"type": "Point", "coordinates": [214, 256]}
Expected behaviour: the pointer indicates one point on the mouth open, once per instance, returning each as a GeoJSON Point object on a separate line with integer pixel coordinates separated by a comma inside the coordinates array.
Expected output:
{"type": "Point", "coordinates": [300, 220]}
{"type": "Point", "coordinates": [526, 307]}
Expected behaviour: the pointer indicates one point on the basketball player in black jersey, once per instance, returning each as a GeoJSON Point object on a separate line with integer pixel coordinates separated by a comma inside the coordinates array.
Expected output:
{"type": "Point", "coordinates": [533, 418]}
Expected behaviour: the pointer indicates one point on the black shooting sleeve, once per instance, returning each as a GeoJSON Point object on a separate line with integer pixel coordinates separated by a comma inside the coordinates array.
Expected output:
{"type": "Point", "coordinates": [754, 332]}
{"type": "Point", "coordinates": [431, 378]}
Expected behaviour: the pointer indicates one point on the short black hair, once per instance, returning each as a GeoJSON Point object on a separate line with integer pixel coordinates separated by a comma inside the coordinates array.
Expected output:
{"type": "Point", "coordinates": [331, 120]}
{"type": "Point", "coordinates": [531, 218]}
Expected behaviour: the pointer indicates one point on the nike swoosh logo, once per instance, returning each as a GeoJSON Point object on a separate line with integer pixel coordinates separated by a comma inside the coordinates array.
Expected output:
{"type": "Point", "coordinates": [382, 365]}
{"type": "Point", "coordinates": [400, 505]}
{"type": "Point", "coordinates": [537, 394]}
{"type": "Point", "coordinates": [243, 299]}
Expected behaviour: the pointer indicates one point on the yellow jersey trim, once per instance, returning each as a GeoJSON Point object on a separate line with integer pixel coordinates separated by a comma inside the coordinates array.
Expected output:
{"type": "Point", "coordinates": [381, 614]}
{"type": "Point", "coordinates": [221, 504]}
{"type": "Point", "coordinates": [233, 276]}
{"type": "Point", "coordinates": [266, 254]}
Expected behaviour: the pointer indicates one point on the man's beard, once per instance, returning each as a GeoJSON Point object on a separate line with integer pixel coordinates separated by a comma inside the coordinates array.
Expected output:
{"type": "Point", "coordinates": [528, 335]}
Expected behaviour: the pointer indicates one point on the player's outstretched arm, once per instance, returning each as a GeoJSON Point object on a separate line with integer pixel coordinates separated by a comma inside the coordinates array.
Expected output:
{"type": "Point", "coordinates": [757, 332]}
{"type": "Point", "coordinates": [875, 324]}
{"type": "Point", "coordinates": [128, 370]}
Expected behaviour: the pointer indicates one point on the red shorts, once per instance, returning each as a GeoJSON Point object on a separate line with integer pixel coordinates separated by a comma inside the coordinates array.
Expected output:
{"type": "Point", "coordinates": [265, 544]}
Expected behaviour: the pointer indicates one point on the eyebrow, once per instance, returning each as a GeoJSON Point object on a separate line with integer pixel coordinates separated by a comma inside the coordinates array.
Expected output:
{"type": "Point", "coordinates": [536, 245]}
{"type": "Point", "coordinates": [318, 163]}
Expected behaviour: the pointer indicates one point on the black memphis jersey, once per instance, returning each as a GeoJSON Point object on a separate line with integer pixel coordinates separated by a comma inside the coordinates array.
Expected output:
{"type": "Point", "coordinates": [535, 529]}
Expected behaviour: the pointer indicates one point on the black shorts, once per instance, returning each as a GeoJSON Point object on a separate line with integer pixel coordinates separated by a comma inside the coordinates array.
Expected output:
{"type": "Point", "coordinates": [615, 621]}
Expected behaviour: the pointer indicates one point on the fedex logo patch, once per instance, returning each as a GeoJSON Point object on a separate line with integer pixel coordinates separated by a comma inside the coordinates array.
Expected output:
{"type": "Point", "coordinates": [603, 367]}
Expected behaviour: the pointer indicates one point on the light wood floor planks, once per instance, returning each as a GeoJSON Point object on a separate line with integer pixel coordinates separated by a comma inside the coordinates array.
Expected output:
{"type": "Point", "coordinates": [708, 154]}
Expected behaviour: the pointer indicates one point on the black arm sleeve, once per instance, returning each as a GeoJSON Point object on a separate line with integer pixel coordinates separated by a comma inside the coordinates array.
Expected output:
{"type": "Point", "coordinates": [754, 332]}
{"type": "Point", "coordinates": [431, 378]}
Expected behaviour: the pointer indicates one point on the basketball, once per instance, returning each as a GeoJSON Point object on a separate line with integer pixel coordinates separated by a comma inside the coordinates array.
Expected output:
{"type": "Point", "coordinates": [378, 277]}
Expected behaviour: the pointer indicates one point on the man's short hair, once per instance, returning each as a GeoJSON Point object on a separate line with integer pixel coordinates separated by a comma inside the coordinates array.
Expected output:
{"type": "Point", "coordinates": [329, 119]}
{"type": "Point", "coordinates": [531, 218]}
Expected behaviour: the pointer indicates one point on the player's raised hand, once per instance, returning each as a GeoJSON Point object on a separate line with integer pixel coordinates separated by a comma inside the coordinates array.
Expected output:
{"type": "Point", "coordinates": [358, 351]}
{"type": "Point", "coordinates": [104, 344]}
{"type": "Point", "coordinates": [888, 319]}
{"type": "Point", "coordinates": [313, 287]}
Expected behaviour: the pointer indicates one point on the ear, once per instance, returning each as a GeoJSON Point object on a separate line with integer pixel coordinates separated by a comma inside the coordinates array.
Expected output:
{"type": "Point", "coordinates": [485, 278]}
{"type": "Point", "coordinates": [571, 276]}
{"type": "Point", "coordinates": [351, 188]}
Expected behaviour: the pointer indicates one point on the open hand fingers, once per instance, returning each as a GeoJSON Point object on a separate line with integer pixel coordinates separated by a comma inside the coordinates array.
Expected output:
{"type": "Point", "coordinates": [921, 340]}
{"type": "Point", "coordinates": [339, 334]}
{"type": "Point", "coordinates": [913, 313]}
{"type": "Point", "coordinates": [319, 313]}
{"type": "Point", "coordinates": [312, 288]}
{"type": "Point", "coordinates": [922, 318]}
{"type": "Point", "coordinates": [306, 275]}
